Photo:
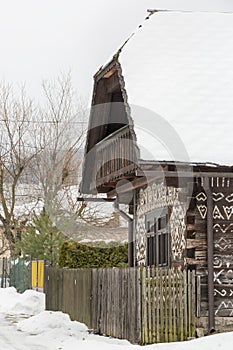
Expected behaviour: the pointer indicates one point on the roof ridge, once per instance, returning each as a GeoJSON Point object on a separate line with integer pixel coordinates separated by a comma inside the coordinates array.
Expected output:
{"type": "Point", "coordinates": [152, 11]}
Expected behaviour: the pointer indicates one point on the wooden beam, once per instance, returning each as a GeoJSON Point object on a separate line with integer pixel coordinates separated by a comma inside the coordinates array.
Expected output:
{"type": "Point", "coordinates": [126, 172]}
{"type": "Point", "coordinates": [109, 73]}
{"type": "Point", "coordinates": [210, 252]}
{"type": "Point", "coordinates": [194, 243]}
{"type": "Point", "coordinates": [156, 175]}
{"type": "Point", "coordinates": [95, 200]}
{"type": "Point", "coordinates": [139, 182]}
{"type": "Point", "coordinates": [182, 174]}
{"type": "Point", "coordinates": [128, 187]}
{"type": "Point", "coordinates": [192, 261]}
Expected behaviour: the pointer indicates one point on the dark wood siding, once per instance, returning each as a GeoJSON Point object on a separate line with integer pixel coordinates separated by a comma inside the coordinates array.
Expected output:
{"type": "Point", "coordinates": [222, 189]}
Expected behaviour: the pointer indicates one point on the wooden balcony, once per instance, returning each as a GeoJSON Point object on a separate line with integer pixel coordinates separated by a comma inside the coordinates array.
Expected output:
{"type": "Point", "coordinates": [116, 157]}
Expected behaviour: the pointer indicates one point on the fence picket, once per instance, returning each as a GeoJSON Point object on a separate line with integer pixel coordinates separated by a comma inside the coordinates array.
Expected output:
{"type": "Point", "coordinates": [189, 311]}
{"type": "Point", "coordinates": [153, 305]}
{"type": "Point", "coordinates": [157, 282]}
{"type": "Point", "coordinates": [193, 302]}
{"type": "Point", "coordinates": [166, 306]}
{"type": "Point", "coordinates": [186, 303]}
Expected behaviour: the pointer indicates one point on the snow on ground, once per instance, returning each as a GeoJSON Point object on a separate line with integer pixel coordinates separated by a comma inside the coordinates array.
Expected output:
{"type": "Point", "coordinates": [49, 330]}
{"type": "Point", "coordinates": [28, 303]}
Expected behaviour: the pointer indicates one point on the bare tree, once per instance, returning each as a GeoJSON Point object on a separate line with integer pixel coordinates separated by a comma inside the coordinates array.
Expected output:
{"type": "Point", "coordinates": [16, 152]}
{"type": "Point", "coordinates": [60, 136]}
{"type": "Point", "coordinates": [40, 159]}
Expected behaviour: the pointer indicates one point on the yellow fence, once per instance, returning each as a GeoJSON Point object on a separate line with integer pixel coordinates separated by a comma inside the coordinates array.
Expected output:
{"type": "Point", "coordinates": [37, 275]}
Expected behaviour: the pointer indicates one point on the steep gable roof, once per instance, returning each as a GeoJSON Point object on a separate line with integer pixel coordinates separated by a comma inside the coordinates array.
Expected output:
{"type": "Point", "coordinates": [174, 80]}
{"type": "Point", "coordinates": [180, 66]}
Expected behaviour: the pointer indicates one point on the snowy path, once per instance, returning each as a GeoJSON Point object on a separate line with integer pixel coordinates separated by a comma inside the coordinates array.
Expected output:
{"type": "Point", "coordinates": [12, 339]}
{"type": "Point", "coordinates": [48, 330]}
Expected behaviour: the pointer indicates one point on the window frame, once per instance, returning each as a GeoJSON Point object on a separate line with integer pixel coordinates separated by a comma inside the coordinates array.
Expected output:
{"type": "Point", "coordinates": [157, 238]}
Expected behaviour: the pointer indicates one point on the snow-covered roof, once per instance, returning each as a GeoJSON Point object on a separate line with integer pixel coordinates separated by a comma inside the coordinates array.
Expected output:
{"type": "Point", "coordinates": [180, 66]}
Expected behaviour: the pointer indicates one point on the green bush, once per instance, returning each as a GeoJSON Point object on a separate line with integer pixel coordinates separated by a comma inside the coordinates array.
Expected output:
{"type": "Point", "coordinates": [77, 255]}
{"type": "Point", "coordinates": [41, 240]}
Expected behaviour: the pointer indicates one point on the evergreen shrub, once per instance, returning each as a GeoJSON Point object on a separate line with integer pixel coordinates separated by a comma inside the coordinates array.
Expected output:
{"type": "Point", "coordinates": [77, 255]}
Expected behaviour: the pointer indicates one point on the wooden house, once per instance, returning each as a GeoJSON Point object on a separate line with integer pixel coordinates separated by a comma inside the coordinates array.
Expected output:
{"type": "Point", "coordinates": [160, 140]}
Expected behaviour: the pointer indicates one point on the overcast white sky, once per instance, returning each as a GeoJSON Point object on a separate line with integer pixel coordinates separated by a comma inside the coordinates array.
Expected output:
{"type": "Point", "coordinates": [40, 39]}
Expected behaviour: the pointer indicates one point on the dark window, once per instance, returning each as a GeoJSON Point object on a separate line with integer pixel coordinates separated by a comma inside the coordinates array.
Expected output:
{"type": "Point", "coordinates": [157, 239]}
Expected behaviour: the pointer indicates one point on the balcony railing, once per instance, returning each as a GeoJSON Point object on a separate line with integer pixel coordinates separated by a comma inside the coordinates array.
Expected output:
{"type": "Point", "coordinates": [116, 157]}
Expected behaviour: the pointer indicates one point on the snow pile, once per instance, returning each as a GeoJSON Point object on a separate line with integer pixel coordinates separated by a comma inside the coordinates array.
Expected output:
{"type": "Point", "coordinates": [51, 320]}
{"type": "Point", "coordinates": [50, 330]}
{"type": "Point", "coordinates": [60, 331]}
{"type": "Point", "coordinates": [28, 303]}
{"type": "Point", "coordinates": [55, 329]}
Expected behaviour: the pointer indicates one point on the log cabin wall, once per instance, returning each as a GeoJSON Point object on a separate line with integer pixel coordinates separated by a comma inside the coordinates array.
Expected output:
{"type": "Point", "coordinates": [188, 240]}
{"type": "Point", "coordinates": [222, 194]}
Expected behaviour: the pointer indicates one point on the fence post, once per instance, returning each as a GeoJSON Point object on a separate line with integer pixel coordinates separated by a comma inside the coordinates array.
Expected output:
{"type": "Point", "coordinates": [166, 305]}
{"type": "Point", "coordinates": [193, 286]}
{"type": "Point", "coordinates": [170, 307]}
{"type": "Point", "coordinates": [144, 306]}
{"type": "Point", "coordinates": [187, 302]}
{"type": "Point", "coordinates": [198, 298]}
{"type": "Point", "coordinates": [139, 305]}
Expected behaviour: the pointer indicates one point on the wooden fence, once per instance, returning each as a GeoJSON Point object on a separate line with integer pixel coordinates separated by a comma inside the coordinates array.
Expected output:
{"type": "Point", "coordinates": [116, 303]}
{"type": "Point", "coordinates": [70, 291]}
{"type": "Point", "coordinates": [143, 305]}
{"type": "Point", "coordinates": [168, 305]}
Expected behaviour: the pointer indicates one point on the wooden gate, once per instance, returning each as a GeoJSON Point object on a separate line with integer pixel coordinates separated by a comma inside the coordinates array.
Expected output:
{"type": "Point", "coordinates": [168, 305]}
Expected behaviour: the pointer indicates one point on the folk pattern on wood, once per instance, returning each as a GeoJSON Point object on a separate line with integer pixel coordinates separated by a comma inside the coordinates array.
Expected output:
{"type": "Point", "coordinates": [223, 242]}
{"type": "Point", "coordinates": [220, 182]}
{"type": "Point", "coordinates": [141, 241]}
{"type": "Point", "coordinates": [178, 228]}
{"type": "Point", "coordinates": [158, 196]}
